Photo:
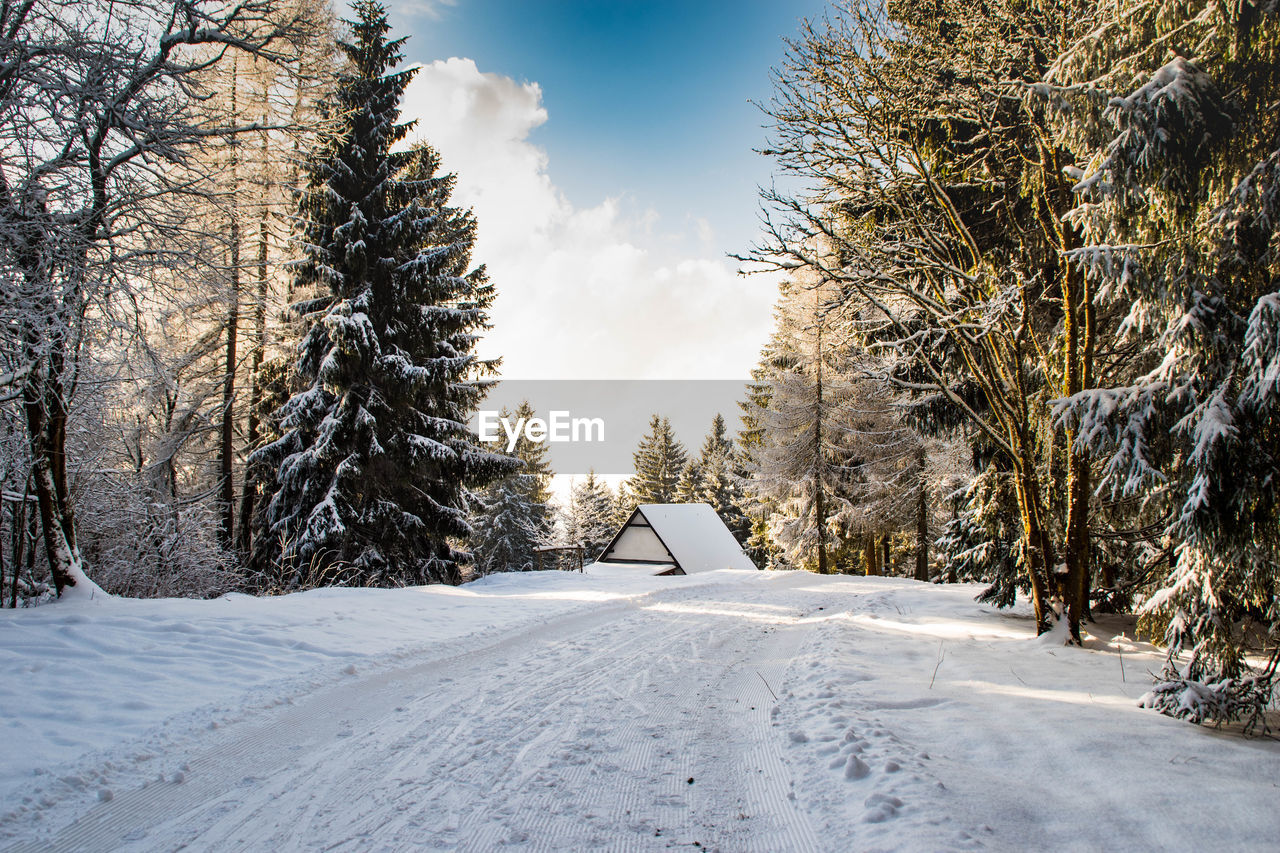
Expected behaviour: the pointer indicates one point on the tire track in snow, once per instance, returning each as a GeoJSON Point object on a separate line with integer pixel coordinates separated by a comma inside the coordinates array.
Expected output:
{"type": "Point", "coordinates": [369, 759]}
{"type": "Point", "coordinates": [206, 778]}
{"type": "Point", "coordinates": [588, 675]}
{"type": "Point", "coordinates": [648, 791]}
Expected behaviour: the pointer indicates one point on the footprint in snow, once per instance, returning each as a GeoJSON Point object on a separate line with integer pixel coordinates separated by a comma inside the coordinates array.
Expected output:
{"type": "Point", "coordinates": [880, 807]}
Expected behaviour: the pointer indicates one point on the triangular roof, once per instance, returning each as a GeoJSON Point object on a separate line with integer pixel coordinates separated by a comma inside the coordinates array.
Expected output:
{"type": "Point", "coordinates": [682, 538]}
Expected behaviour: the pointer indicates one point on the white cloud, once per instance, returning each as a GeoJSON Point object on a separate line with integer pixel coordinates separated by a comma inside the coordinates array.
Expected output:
{"type": "Point", "coordinates": [705, 232]}
{"type": "Point", "coordinates": [580, 295]}
{"type": "Point", "coordinates": [432, 10]}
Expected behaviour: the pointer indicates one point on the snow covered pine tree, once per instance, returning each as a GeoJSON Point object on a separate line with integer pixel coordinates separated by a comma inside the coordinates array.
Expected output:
{"type": "Point", "coordinates": [517, 515]}
{"type": "Point", "coordinates": [660, 459]}
{"type": "Point", "coordinates": [719, 480]}
{"type": "Point", "coordinates": [1180, 213]}
{"type": "Point", "coordinates": [590, 521]}
{"type": "Point", "coordinates": [371, 479]}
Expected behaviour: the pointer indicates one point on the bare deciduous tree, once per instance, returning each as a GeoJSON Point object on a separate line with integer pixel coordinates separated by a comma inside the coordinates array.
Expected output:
{"type": "Point", "coordinates": [101, 114]}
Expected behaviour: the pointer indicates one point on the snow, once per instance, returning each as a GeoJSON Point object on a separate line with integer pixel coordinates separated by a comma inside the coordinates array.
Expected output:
{"type": "Point", "coordinates": [739, 710]}
{"type": "Point", "coordinates": [626, 570]}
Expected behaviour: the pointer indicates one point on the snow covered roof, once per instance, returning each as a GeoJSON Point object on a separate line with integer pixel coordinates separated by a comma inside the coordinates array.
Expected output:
{"type": "Point", "coordinates": [676, 539]}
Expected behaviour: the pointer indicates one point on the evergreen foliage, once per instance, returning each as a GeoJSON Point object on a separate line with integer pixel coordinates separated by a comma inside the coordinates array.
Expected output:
{"type": "Point", "coordinates": [660, 459]}
{"type": "Point", "coordinates": [373, 474]}
{"type": "Point", "coordinates": [1179, 205]}
{"type": "Point", "coordinates": [980, 542]}
{"type": "Point", "coordinates": [517, 514]}
{"type": "Point", "coordinates": [721, 475]}
{"type": "Point", "coordinates": [1065, 217]}
{"type": "Point", "coordinates": [591, 520]}
{"type": "Point", "coordinates": [509, 527]}
{"type": "Point", "coordinates": [799, 467]}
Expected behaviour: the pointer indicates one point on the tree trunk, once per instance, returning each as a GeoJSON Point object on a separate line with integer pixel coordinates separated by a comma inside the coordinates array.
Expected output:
{"type": "Point", "coordinates": [922, 529]}
{"type": "Point", "coordinates": [26, 544]}
{"type": "Point", "coordinates": [63, 565]}
{"type": "Point", "coordinates": [820, 513]}
{"type": "Point", "coordinates": [255, 389]}
{"type": "Point", "coordinates": [1038, 551]}
{"type": "Point", "coordinates": [870, 555]}
{"type": "Point", "coordinates": [18, 541]}
{"type": "Point", "coordinates": [1077, 375]}
{"type": "Point", "coordinates": [2, 562]}
{"type": "Point", "coordinates": [43, 406]}
{"type": "Point", "coordinates": [226, 450]}
{"type": "Point", "coordinates": [820, 504]}
{"type": "Point", "coordinates": [1076, 592]}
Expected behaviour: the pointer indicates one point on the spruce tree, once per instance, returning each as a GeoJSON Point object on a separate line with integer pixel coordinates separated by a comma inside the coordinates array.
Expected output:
{"type": "Point", "coordinates": [801, 466]}
{"type": "Point", "coordinates": [721, 479]}
{"type": "Point", "coordinates": [517, 515]}
{"type": "Point", "coordinates": [692, 484]}
{"type": "Point", "coordinates": [509, 527]}
{"type": "Point", "coordinates": [533, 455]}
{"type": "Point", "coordinates": [372, 476]}
{"type": "Point", "coordinates": [590, 521]}
{"type": "Point", "coordinates": [759, 544]}
{"type": "Point", "coordinates": [1179, 206]}
{"type": "Point", "coordinates": [660, 459]}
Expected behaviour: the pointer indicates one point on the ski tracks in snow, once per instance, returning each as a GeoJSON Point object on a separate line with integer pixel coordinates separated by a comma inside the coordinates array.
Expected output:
{"type": "Point", "coordinates": [652, 723]}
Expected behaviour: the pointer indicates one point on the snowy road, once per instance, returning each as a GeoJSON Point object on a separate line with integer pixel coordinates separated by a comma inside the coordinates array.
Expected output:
{"type": "Point", "coordinates": [748, 711]}
{"type": "Point", "coordinates": [638, 725]}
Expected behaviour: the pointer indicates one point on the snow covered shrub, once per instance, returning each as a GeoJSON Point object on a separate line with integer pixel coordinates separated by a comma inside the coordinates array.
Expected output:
{"type": "Point", "coordinates": [141, 544]}
{"type": "Point", "coordinates": [1214, 701]}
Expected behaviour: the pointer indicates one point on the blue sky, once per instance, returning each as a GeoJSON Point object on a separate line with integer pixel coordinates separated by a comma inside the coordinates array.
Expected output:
{"type": "Point", "coordinates": [623, 133]}
{"type": "Point", "coordinates": [647, 100]}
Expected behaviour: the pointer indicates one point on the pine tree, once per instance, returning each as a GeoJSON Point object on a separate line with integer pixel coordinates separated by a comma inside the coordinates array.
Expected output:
{"type": "Point", "coordinates": [517, 515]}
{"type": "Point", "coordinates": [721, 479]}
{"type": "Point", "coordinates": [800, 467]}
{"type": "Point", "coordinates": [534, 456]}
{"type": "Point", "coordinates": [1179, 207]}
{"type": "Point", "coordinates": [660, 459]}
{"type": "Point", "coordinates": [623, 505]}
{"type": "Point", "coordinates": [374, 472]}
{"type": "Point", "coordinates": [759, 544]}
{"type": "Point", "coordinates": [590, 521]}
{"type": "Point", "coordinates": [510, 527]}
{"type": "Point", "coordinates": [692, 484]}
{"type": "Point", "coordinates": [980, 541]}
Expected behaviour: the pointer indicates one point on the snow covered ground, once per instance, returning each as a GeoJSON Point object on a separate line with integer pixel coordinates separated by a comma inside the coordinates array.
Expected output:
{"type": "Point", "coordinates": [727, 711]}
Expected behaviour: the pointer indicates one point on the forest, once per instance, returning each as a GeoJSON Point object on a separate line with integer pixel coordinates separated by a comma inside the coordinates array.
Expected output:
{"type": "Point", "coordinates": [1028, 334]}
